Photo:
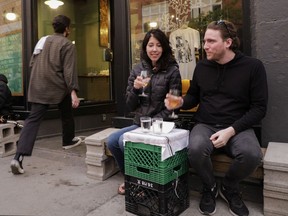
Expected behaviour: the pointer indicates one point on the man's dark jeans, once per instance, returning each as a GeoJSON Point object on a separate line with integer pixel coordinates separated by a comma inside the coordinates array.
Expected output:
{"type": "Point", "coordinates": [244, 148]}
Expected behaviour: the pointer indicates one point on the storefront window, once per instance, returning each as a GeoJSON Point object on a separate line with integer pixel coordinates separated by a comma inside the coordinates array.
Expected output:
{"type": "Point", "coordinates": [90, 34]}
{"type": "Point", "coordinates": [171, 16]}
{"type": "Point", "coordinates": [11, 45]}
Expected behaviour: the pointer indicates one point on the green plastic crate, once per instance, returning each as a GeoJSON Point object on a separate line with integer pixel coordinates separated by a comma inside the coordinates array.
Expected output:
{"type": "Point", "coordinates": [144, 161]}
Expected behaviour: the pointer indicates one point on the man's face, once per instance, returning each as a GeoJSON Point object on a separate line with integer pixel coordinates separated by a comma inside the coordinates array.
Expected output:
{"type": "Point", "coordinates": [214, 46]}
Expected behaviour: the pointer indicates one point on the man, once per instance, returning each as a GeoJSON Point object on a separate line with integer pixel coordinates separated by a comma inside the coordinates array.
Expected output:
{"type": "Point", "coordinates": [53, 80]}
{"type": "Point", "coordinates": [231, 90]}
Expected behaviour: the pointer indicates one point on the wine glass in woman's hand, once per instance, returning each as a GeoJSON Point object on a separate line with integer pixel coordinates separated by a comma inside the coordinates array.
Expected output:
{"type": "Point", "coordinates": [145, 81]}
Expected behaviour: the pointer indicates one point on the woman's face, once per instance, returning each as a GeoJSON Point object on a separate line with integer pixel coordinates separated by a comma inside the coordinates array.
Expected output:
{"type": "Point", "coordinates": [154, 50]}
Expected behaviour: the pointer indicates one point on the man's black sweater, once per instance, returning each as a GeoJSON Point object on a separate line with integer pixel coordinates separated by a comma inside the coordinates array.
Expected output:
{"type": "Point", "coordinates": [233, 94]}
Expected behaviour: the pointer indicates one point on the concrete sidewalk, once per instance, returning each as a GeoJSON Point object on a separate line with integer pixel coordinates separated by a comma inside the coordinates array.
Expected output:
{"type": "Point", "coordinates": [55, 184]}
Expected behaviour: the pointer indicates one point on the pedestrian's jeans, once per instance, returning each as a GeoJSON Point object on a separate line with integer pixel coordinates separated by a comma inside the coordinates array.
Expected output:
{"type": "Point", "coordinates": [116, 147]}
{"type": "Point", "coordinates": [243, 148]}
{"type": "Point", "coordinates": [32, 123]}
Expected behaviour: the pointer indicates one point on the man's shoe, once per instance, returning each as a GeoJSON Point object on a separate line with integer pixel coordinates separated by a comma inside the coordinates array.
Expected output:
{"type": "Point", "coordinates": [75, 142]}
{"type": "Point", "coordinates": [16, 167]}
{"type": "Point", "coordinates": [232, 196]}
{"type": "Point", "coordinates": [207, 204]}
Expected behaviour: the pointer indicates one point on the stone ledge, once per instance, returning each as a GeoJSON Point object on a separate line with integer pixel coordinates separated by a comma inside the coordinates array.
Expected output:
{"type": "Point", "coordinates": [100, 164]}
{"type": "Point", "coordinates": [276, 156]}
{"type": "Point", "coordinates": [9, 135]}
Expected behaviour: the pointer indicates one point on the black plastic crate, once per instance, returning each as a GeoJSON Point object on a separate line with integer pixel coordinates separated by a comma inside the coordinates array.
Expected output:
{"type": "Point", "coordinates": [143, 197]}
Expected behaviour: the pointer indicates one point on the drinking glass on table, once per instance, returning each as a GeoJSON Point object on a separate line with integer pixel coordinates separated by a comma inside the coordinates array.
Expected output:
{"type": "Point", "coordinates": [174, 101]}
{"type": "Point", "coordinates": [157, 124]}
{"type": "Point", "coordinates": [145, 76]}
{"type": "Point", "coordinates": [145, 123]}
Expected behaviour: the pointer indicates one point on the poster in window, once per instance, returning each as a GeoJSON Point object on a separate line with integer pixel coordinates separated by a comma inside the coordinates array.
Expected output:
{"type": "Point", "coordinates": [11, 61]}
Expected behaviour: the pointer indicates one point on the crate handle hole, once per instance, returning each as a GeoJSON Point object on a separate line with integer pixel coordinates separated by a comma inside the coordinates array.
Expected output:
{"type": "Point", "coordinates": [177, 168]}
{"type": "Point", "coordinates": [144, 170]}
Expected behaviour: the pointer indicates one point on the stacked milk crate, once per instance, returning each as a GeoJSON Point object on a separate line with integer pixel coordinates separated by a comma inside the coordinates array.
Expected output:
{"type": "Point", "coordinates": [9, 135]}
{"type": "Point", "coordinates": [100, 163]}
{"type": "Point", "coordinates": [276, 180]}
{"type": "Point", "coordinates": [156, 172]}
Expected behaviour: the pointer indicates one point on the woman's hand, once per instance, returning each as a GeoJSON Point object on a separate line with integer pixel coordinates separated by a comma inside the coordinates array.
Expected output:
{"type": "Point", "coordinates": [138, 82]}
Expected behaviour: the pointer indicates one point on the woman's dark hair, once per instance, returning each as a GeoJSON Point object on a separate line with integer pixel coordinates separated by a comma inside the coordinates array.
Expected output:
{"type": "Point", "coordinates": [166, 56]}
{"type": "Point", "coordinates": [60, 23]}
{"type": "Point", "coordinates": [227, 30]}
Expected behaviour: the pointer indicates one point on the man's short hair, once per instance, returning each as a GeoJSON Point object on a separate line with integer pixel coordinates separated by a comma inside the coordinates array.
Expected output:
{"type": "Point", "coordinates": [60, 23]}
{"type": "Point", "coordinates": [227, 30]}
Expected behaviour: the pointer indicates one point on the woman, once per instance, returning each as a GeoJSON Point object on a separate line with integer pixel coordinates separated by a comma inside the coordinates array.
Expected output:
{"type": "Point", "coordinates": [158, 61]}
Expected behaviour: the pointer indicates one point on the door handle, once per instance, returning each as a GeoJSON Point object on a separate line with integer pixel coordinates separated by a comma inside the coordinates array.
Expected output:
{"type": "Point", "coordinates": [108, 55]}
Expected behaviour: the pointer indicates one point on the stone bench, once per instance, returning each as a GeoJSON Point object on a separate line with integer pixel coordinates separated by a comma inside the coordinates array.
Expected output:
{"type": "Point", "coordinates": [101, 164]}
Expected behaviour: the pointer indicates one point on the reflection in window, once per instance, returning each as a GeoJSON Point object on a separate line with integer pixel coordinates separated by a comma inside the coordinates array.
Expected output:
{"type": "Point", "coordinates": [11, 45]}
{"type": "Point", "coordinates": [152, 14]}
{"type": "Point", "coordinates": [173, 15]}
{"type": "Point", "coordinates": [93, 71]}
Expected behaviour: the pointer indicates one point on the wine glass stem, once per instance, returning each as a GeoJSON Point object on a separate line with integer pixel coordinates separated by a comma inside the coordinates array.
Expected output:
{"type": "Point", "coordinates": [173, 115]}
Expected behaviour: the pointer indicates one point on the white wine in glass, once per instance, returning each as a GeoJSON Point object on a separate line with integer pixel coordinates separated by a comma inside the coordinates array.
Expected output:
{"type": "Point", "coordinates": [173, 101]}
{"type": "Point", "coordinates": [144, 74]}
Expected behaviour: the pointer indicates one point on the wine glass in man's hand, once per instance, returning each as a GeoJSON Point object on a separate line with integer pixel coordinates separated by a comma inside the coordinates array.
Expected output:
{"type": "Point", "coordinates": [173, 101]}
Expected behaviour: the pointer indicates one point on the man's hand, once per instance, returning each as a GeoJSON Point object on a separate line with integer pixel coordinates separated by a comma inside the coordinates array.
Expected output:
{"type": "Point", "coordinates": [173, 102]}
{"type": "Point", "coordinates": [220, 138]}
{"type": "Point", "coordinates": [75, 100]}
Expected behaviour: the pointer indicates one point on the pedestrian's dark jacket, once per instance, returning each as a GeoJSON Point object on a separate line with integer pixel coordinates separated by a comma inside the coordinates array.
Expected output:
{"type": "Point", "coordinates": [160, 83]}
{"type": "Point", "coordinates": [5, 97]}
{"type": "Point", "coordinates": [234, 94]}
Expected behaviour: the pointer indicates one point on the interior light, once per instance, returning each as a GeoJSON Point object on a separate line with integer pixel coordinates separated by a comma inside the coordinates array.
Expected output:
{"type": "Point", "coordinates": [153, 24]}
{"type": "Point", "coordinates": [10, 16]}
{"type": "Point", "coordinates": [54, 4]}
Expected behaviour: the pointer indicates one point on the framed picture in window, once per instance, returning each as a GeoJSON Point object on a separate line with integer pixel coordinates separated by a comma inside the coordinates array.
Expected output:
{"type": "Point", "coordinates": [104, 23]}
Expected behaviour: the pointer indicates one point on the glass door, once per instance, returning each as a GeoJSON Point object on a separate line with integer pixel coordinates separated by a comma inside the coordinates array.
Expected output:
{"type": "Point", "coordinates": [90, 32]}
